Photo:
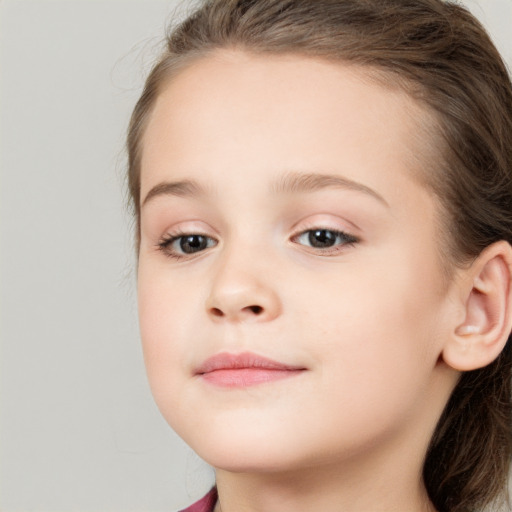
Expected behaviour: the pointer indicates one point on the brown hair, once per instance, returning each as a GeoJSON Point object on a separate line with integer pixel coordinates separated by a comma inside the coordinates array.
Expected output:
{"type": "Point", "coordinates": [443, 57]}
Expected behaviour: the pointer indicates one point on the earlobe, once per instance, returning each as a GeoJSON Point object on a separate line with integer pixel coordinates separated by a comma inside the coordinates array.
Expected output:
{"type": "Point", "coordinates": [487, 296]}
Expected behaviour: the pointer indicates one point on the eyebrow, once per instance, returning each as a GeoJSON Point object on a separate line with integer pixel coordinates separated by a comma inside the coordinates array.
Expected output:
{"type": "Point", "coordinates": [310, 182]}
{"type": "Point", "coordinates": [184, 188]}
{"type": "Point", "coordinates": [291, 182]}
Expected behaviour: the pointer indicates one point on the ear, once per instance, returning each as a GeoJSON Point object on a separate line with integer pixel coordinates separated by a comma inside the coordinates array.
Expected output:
{"type": "Point", "coordinates": [486, 300]}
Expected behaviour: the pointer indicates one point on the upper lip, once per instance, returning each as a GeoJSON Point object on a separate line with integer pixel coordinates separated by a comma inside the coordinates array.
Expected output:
{"type": "Point", "coordinates": [227, 361]}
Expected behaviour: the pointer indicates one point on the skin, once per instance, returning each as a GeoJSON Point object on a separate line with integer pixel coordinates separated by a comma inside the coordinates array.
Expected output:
{"type": "Point", "coordinates": [368, 321]}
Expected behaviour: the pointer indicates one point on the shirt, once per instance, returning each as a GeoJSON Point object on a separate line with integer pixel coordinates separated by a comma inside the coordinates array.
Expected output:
{"type": "Point", "coordinates": [206, 504]}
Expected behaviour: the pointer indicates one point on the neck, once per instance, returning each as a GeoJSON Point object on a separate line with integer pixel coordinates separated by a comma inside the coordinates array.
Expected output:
{"type": "Point", "coordinates": [378, 482]}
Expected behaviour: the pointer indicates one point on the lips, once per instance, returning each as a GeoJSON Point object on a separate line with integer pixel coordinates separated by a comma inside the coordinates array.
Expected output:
{"type": "Point", "coordinates": [243, 370]}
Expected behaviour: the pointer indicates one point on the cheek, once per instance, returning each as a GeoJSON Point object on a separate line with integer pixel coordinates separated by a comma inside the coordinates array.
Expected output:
{"type": "Point", "coordinates": [164, 312]}
{"type": "Point", "coordinates": [378, 326]}
{"type": "Point", "coordinates": [374, 359]}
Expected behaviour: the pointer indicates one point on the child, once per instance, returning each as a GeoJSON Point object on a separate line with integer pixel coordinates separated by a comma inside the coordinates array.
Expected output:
{"type": "Point", "coordinates": [323, 195]}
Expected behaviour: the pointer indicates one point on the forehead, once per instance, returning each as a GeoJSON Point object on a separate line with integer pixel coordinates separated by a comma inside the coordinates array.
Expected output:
{"type": "Point", "coordinates": [232, 108]}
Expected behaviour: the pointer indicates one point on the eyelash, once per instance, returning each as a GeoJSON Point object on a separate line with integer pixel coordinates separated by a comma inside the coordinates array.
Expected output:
{"type": "Point", "coordinates": [348, 240]}
{"type": "Point", "coordinates": [166, 242]}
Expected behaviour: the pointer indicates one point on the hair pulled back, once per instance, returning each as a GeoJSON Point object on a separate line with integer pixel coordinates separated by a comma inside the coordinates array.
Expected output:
{"type": "Point", "coordinates": [442, 56]}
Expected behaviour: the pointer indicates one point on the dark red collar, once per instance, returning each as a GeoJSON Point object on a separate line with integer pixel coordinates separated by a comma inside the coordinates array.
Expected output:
{"type": "Point", "coordinates": [206, 504]}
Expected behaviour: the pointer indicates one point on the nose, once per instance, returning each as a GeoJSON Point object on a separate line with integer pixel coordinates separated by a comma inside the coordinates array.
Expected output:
{"type": "Point", "coordinates": [241, 294]}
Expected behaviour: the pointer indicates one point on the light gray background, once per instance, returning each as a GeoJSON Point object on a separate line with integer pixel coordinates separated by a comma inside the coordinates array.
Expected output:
{"type": "Point", "coordinates": [79, 430]}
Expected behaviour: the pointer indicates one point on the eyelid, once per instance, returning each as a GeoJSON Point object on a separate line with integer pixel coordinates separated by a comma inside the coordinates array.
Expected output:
{"type": "Point", "coordinates": [345, 238]}
{"type": "Point", "coordinates": [329, 222]}
{"type": "Point", "coordinates": [179, 232]}
{"type": "Point", "coordinates": [188, 227]}
{"type": "Point", "coordinates": [174, 233]}
{"type": "Point", "coordinates": [170, 238]}
{"type": "Point", "coordinates": [351, 239]}
{"type": "Point", "coordinates": [165, 245]}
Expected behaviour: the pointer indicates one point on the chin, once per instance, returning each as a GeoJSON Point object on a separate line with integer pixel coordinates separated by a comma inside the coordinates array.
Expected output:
{"type": "Point", "coordinates": [245, 452]}
{"type": "Point", "coordinates": [248, 461]}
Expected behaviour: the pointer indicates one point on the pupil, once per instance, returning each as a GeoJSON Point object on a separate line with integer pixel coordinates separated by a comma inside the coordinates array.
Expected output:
{"type": "Point", "coordinates": [322, 238]}
{"type": "Point", "coordinates": [192, 243]}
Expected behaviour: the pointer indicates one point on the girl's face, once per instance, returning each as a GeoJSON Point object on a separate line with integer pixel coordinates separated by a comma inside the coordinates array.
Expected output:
{"type": "Point", "coordinates": [281, 220]}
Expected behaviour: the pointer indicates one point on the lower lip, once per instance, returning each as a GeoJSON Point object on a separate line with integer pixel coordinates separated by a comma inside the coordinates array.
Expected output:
{"type": "Point", "coordinates": [245, 377]}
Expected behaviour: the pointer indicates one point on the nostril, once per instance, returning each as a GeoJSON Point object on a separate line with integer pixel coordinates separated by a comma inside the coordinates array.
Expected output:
{"type": "Point", "coordinates": [253, 310]}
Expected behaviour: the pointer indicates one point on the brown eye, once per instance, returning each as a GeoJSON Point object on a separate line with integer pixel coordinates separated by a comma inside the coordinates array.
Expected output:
{"type": "Point", "coordinates": [190, 244]}
{"type": "Point", "coordinates": [180, 246]}
{"type": "Point", "coordinates": [324, 239]}
{"type": "Point", "coordinates": [321, 238]}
